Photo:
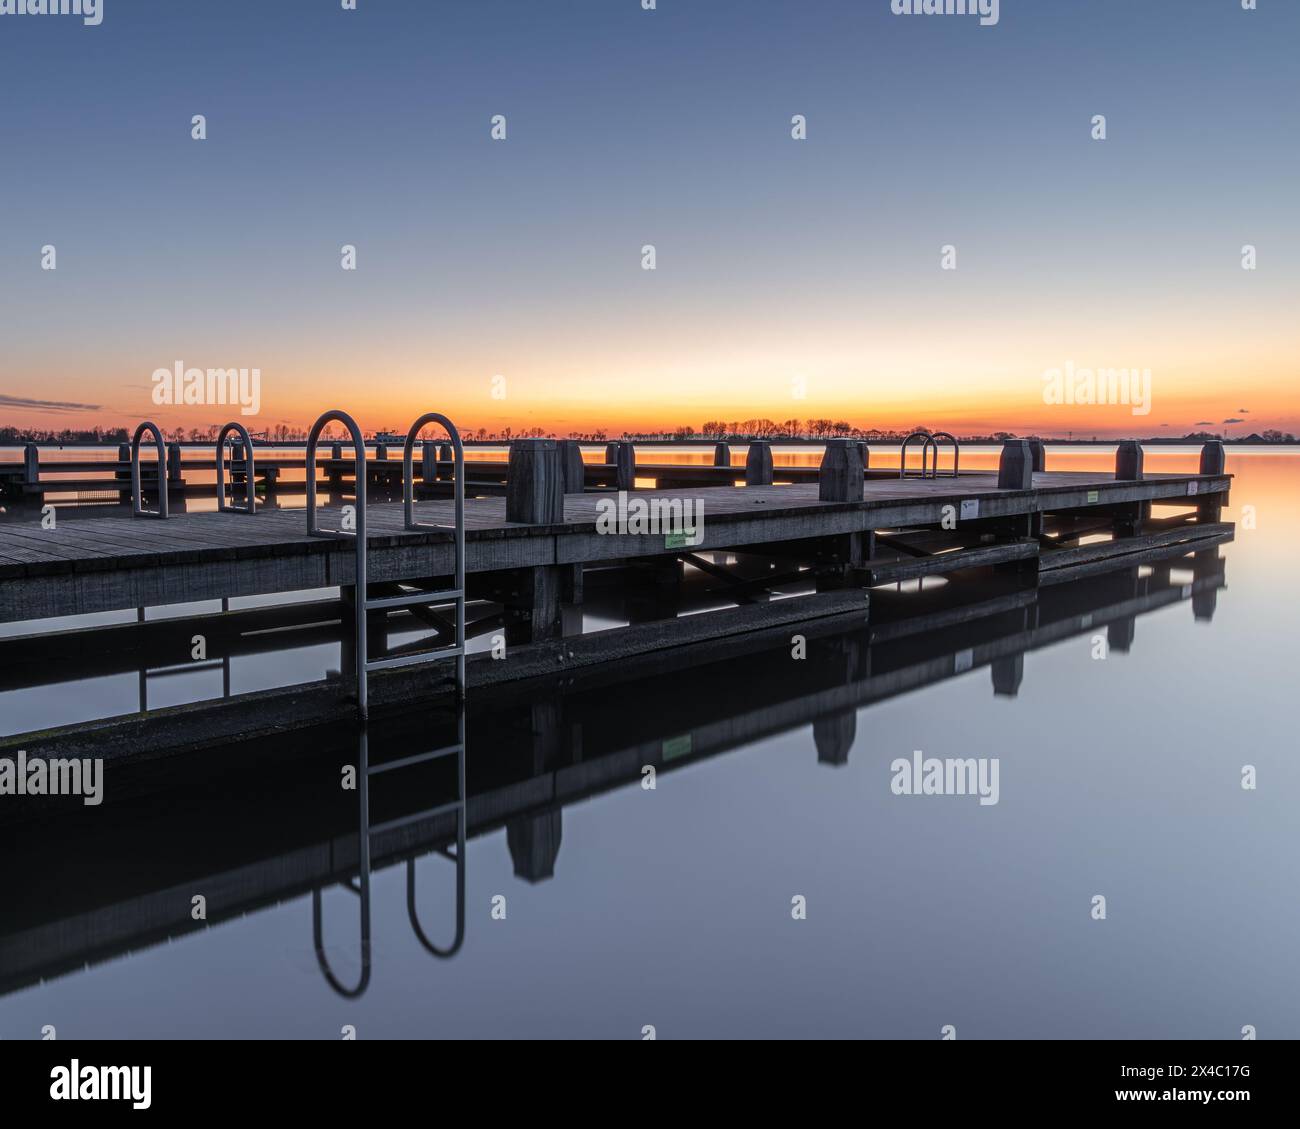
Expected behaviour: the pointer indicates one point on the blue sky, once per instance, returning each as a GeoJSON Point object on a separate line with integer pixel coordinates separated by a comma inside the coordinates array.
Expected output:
{"type": "Point", "coordinates": [670, 127]}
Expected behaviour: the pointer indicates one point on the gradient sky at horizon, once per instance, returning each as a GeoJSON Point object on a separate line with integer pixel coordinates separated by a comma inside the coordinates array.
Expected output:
{"type": "Point", "coordinates": [776, 259]}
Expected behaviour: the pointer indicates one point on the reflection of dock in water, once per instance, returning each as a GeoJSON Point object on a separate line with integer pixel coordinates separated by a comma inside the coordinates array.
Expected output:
{"type": "Point", "coordinates": [262, 821]}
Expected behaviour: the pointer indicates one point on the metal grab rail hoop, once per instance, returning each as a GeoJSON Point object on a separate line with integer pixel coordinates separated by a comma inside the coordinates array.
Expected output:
{"type": "Point", "coordinates": [461, 832]}
{"type": "Point", "coordinates": [363, 601]}
{"type": "Point", "coordinates": [250, 496]}
{"type": "Point", "coordinates": [362, 889]}
{"type": "Point", "coordinates": [359, 534]}
{"type": "Point", "coordinates": [927, 445]}
{"type": "Point", "coordinates": [956, 451]}
{"type": "Point", "coordinates": [137, 492]}
{"type": "Point", "coordinates": [458, 491]}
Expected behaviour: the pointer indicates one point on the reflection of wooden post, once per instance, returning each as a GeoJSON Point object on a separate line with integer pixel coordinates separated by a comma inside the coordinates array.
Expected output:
{"type": "Point", "coordinates": [1120, 634]}
{"type": "Point", "coordinates": [833, 735]}
{"type": "Point", "coordinates": [1008, 672]}
{"type": "Point", "coordinates": [534, 842]}
{"type": "Point", "coordinates": [1206, 564]}
{"type": "Point", "coordinates": [840, 477]}
{"type": "Point", "coordinates": [758, 463]}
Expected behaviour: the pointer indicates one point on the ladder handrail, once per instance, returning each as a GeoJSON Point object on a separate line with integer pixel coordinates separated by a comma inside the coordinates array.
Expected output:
{"type": "Point", "coordinates": [362, 889]}
{"type": "Point", "coordinates": [250, 496]}
{"type": "Point", "coordinates": [137, 491]}
{"type": "Point", "coordinates": [361, 637]}
{"type": "Point", "coordinates": [458, 493]}
{"type": "Point", "coordinates": [929, 442]}
{"type": "Point", "coordinates": [956, 451]}
{"type": "Point", "coordinates": [462, 818]}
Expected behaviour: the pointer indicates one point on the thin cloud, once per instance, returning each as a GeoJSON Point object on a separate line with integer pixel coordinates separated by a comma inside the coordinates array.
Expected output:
{"type": "Point", "coordinates": [1234, 420]}
{"type": "Point", "coordinates": [1204, 423]}
{"type": "Point", "coordinates": [46, 405]}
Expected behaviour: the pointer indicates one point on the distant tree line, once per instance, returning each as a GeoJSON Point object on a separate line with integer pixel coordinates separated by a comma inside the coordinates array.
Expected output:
{"type": "Point", "coordinates": [719, 430]}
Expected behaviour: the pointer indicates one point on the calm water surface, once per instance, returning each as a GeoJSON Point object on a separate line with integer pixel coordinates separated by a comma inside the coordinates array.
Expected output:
{"type": "Point", "coordinates": [626, 907]}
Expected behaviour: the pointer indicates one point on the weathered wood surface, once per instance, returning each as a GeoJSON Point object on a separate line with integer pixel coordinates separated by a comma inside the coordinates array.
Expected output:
{"type": "Point", "coordinates": [106, 563]}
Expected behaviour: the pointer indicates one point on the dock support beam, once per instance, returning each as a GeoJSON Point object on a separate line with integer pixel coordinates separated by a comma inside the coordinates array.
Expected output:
{"type": "Point", "coordinates": [758, 463]}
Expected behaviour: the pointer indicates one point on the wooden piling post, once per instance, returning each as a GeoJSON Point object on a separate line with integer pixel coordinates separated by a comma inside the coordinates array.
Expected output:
{"type": "Point", "coordinates": [535, 495]}
{"type": "Point", "coordinates": [758, 463]}
{"type": "Point", "coordinates": [622, 456]}
{"type": "Point", "coordinates": [123, 473]}
{"type": "Point", "coordinates": [1016, 466]}
{"type": "Point", "coordinates": [381, 452]}
{"type": "Point", "coordinates": [864, 451]}
{"type": "Point", "coordinates": [572, 471]}
{"type": "Point", "coordinates": [534, 483]}
{"type": "Point", "coordinates": [428, 461]}
{"type": "Point", "coordinates": [174, 463]}
{"type": "Point", "coordinates": [32, 464]}
{"type": "Point", "coordinates": [1213, 461]}
{"type": "Point", "coordinates": [1128, 468]}
{"type": "Point", "coordinates": [721, 455]}
{"type": "Point", "coordinates": [1039, 451]}
{"type": "Point", "coordinates": [840, 477]}
{"type": "Point", "coordinates": [1128, 460]}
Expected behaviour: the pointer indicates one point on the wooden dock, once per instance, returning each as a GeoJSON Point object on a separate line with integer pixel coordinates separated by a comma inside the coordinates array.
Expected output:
{"type": "Point", "coordinates": [777, 555]}
{"type": "Point", "coordinates": [111, 563]}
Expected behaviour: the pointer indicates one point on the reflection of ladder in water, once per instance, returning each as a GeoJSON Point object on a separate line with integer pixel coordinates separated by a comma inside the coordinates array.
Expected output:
{"type": "Point", "coordinates": [365, 770]}
{"type": "Point", "coordinates": [363, 601]}
{"type": "Point", "coordinates": [147, 672]}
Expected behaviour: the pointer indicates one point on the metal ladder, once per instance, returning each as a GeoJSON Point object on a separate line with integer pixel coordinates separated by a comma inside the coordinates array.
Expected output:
{"type": "Point", "coordinates": [364, 831]}
{"type": "Point", "coordinates": [363, 602]}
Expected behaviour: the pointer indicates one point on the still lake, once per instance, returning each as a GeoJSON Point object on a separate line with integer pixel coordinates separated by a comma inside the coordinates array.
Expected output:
{"type": "Point", "coordinates": [618, 907]}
